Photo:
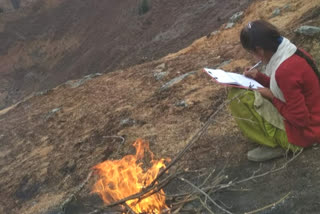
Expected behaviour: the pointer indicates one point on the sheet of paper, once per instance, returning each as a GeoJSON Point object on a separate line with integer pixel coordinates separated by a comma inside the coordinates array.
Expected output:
{"type": "Point", "coordinates": [220, 75]}
{"type": "Point", "coordinates": [245, 81]}
{"type": "Point", "coordinates": [232, 78]}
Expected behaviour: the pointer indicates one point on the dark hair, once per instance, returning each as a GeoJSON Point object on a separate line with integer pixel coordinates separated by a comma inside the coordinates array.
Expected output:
{"type": "Point", "coordinates": [261, 34]}
{"type": "Point", "coordinates": [309, 61]}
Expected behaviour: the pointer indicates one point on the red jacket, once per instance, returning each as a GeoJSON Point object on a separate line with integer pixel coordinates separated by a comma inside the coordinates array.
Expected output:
{"type": "Point", "coordinates": [301, 89]}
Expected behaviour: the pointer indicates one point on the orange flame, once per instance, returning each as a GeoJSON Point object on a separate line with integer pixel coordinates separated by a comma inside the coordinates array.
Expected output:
{"type": "Point", "coordinates": [119, 179]}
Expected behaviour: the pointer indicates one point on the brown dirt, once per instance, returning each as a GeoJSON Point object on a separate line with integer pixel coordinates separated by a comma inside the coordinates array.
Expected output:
{"type": "Point", "coordinates": [54, 41]}
{"type": "Point", "coordinates": [45, 154]}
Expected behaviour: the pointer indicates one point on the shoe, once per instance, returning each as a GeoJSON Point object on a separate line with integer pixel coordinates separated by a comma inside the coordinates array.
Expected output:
{"type": "Point", "coordinates": [265, 153]}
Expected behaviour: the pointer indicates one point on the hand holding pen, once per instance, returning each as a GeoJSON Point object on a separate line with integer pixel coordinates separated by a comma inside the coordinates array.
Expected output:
{"type": "Point", "coordinates": [251, 72]}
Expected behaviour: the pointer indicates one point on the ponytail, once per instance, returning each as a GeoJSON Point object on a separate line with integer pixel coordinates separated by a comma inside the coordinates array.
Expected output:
{"type": "Point", "coordinates": [309, 61]}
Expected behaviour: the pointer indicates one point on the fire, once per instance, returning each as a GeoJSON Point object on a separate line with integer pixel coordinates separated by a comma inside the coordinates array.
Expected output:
{"type": "Point", "coordinates": [119, 179]}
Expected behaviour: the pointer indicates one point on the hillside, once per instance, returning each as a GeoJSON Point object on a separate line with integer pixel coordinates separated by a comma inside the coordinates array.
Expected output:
{"type": "Point", "coordinates": [48, 43]}
{"type": "Point", "coordinates": [50, 141]}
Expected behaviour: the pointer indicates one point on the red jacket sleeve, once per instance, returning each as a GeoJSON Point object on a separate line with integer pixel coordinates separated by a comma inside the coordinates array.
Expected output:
{"type": "Point", "coordinates": [294, 110]}
{"type": "Point", "coordinates": [263, 79]}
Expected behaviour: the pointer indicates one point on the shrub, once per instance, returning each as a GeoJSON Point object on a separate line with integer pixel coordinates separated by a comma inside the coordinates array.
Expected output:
{"type": "Point", "coordinates": [15, 4]}
{"type": "Point", "coordinates": [143, 7]}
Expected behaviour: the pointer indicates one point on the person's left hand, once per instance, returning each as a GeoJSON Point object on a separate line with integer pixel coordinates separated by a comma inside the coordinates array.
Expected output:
{"type": "Point", "coordinates": [266, 93]}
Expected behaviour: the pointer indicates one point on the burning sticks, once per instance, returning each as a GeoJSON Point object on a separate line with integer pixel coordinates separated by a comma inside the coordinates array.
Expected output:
{"type": "Point", "coordinates": [119, 179]}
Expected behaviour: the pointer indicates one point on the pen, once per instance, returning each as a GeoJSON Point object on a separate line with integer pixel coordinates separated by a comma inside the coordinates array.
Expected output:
{"type": "Point", "coordinates": [256, 65]}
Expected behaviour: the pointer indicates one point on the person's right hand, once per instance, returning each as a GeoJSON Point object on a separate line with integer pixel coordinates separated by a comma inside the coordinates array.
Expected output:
{"type": "Point", "coordinates": [251, 74]}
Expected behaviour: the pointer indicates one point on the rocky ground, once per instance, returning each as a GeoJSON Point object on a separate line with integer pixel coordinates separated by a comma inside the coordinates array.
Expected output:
{"type": "Point", "coordinates": [49, 142]}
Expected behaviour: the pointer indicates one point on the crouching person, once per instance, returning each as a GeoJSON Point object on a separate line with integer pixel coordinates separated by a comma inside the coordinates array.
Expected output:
{"type": "Point", "coordinates": [285, 115]}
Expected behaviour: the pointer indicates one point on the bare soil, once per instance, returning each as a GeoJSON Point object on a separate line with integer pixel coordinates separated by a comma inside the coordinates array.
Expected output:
{"type": "Point", "coordinates": [50, 142]}
{"type": "Point", "coordinates": [50, 42]}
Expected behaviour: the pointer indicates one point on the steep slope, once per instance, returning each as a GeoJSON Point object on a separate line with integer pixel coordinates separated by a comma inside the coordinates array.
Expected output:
{"type": "Point", "coordinates": [11, 5]}
{"type": "Point", "coordinates": [50, 142]}
{"type": "Point", "coordinates": [54, 41]}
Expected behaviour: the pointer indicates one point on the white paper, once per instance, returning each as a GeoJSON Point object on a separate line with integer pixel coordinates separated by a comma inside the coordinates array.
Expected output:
{"type": "Point", "coordinates": [232, 78]}
{"type": "Point", "coordinates": [220, 76]}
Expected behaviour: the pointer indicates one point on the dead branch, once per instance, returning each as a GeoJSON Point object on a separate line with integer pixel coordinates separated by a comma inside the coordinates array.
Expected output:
{"type": "Point", "coordinates": [205, 194]}
{"type": "Point", "coordinates": [217, 180]}
{"type": "Point", "coordinates": [146, 192]}
{"type": "Point", "coordinates": [216, 186]}
{"type": "Point", "coordinates": [254, 175]}
{"type": "Point", "coordinates": [78, 189]}
{"type": "Point", "coordinates": [187, 199]}
{"type": "Point", "coordinates": [269, 206]}
{"type": "Point", "coordinates": [129, 209]}
{"type": "Point", "coordinates": [207, 178]}
{"type": "Point", "coordinates": [205, 205]}
{"type": "Point", "coordinates": [117, 137]}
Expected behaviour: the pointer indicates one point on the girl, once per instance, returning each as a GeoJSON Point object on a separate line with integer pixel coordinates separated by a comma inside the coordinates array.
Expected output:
{"type": "Point", "coordinates": [286, 113]}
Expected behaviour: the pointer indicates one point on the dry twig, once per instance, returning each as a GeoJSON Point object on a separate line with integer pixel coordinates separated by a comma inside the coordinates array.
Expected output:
{"type": "Point", "coordinates": [254, 176]}
{"type": "Point", "coordinates": [269, 206]}
{"type": "Point", "coordinates": [205, 205]}
{"type": "Point", "coordinates": [187, 199]}
{"type": "Point", "coordinates": [205, 194]}
{"type": "Point", "coordinates": [146, 192]}
{"type": "Point", "coordinates": [117, 137]}
{"type": "Point", "coordinates": [78, 189]}
{"type": "Point", "coordinates": [129, 209]}
{"type": "Point", "coordinates": [216, 186]}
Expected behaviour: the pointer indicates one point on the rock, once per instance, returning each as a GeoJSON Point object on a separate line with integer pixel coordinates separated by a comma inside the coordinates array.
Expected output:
{"type": "Point", "coordinates": [55, 110]}
{"type": "Point", "coordinates": [44, 92]}
{"type": "Point", "coordinates": [176, 80]}
{"type": "Point", "coordinates": [276, 12]}
{"type": "Point", "coordinates": [286, 8]}
{"type": "Point", "coordinates": [224, 63]}
{"type": "Point", "coordinates": [160, 75]}
{"type": "Point", "coordinates": [213, 33]}
{"type": "Point", "coordinates": [127, 122]}
{"type": "Point", "coordinates": [229, 25]}
{"type": "Point", "coordinates": [308, 30]}
{"type": "Point", "coordinates": [77, 83]}
{"type": "Point", "coordinates": [236, 17]}
{"type": "Point", "coordinates": [52, 112]}
{"type": "Point", "coordinates": [161, 66]}
{"type": "Point", "coordinates": [158, 71]}
{"type": "Point", "coordinates": [181, 103]}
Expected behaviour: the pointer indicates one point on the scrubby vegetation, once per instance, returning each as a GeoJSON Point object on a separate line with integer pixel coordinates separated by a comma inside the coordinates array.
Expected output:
{"type": "Point", "coordinates": [144, 7]}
